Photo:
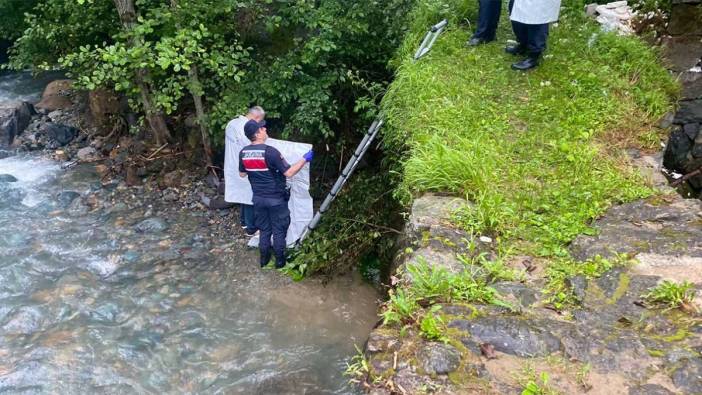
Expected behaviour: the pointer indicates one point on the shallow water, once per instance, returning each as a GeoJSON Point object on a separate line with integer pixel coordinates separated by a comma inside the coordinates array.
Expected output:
{"type": "Point", "coordinates": [89, 305]}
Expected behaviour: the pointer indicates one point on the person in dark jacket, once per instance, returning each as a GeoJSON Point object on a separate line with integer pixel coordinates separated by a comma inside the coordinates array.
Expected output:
{"type": "Point", "coordinates": [488, 18]}
{"type": "Point", "coordinates": [267, 171]}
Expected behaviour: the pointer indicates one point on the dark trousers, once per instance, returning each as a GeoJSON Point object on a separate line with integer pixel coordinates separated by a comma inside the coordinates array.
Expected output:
{"type": "Point", "coordinates": [530, 37]}
{"type": "Point", "coordinates": [272, 219]}
{"type": "Point", "coordinates": [488, 17]}
{"type": "Point", "coordinates": [247, 218]}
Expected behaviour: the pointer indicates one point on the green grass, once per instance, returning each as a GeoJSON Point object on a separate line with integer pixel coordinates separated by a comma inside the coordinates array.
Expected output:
{"type": "Point", "coordinates": [432, 285]}
{"type": "Point", "coordinates": [541, 153]}
{"type": "Point", "coordinates": [671, 294]}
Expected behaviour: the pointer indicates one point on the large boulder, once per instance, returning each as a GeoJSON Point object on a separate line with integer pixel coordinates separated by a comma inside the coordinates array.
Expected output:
{"type": "Point", "coordinates": [685, 18]}
{"type": "Point", "coordinates": [59, 135]}
{"type": "Point", "coordinates": [692, 84]}
{"type": "Point", "coordinates": [56, 96]}
{"type": "Point", "coordinates": [690, 111]}
{"type": "Point", "coordinates": [679, 145]}
{"type": "Point", "coordinates": [682, 52]}
{"type": "Point", "coordinates": [14, 119]}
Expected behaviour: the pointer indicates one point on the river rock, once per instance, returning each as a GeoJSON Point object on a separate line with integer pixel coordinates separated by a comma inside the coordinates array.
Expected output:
{"type": "Point", "coordinates": [65, 198]}
{"type": "Point", "coordinates": [7, 178]}
{"type": "Point", "coordinates": [151, 225]}
{"type": "Point", "coordinates": [14, 119]}
{"type": "Point", "coordinates": [438, 358]}
{"type": "Point", "coordinates": [59, 135]}
{"type": "Point", "coordinates": [170, 195]}
{"type": "Point", "coordinates": [87, 154]}
{"type": "Point", "coordinates": [56, 96]}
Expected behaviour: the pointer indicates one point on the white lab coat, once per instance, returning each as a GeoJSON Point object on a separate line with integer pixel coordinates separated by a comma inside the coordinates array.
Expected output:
{"type": "Point", "coordinates": [238, 189]}
{"type": "Point", "coordinates": [235, 140]}
{"type": "Point", "coordinates": [535, 12]}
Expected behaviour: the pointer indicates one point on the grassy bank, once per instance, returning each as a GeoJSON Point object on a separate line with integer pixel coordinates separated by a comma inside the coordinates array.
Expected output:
{"type": "Point", "coordinates": [540, 154]}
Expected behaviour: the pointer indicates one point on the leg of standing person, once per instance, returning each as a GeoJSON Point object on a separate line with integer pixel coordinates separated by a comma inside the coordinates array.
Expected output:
{"type": "Point", "coordinates": [242, 215]}
{"type": "Point", "coordinates": [249, 219]}
{"type": "Point", "coordinates": [488, 18]}
{"type": "Point", "coordinates": [280, 215]}
{"type": "Point", "coordinates": [520, 35]}
{"type": "Point", "coordinates": [535, 40]}
{"type": "Point", "coordinates": [264, 224]}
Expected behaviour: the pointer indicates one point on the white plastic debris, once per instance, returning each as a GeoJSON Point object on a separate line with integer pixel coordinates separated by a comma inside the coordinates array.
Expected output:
{"type": "Point", "coordinates": [615, 16]}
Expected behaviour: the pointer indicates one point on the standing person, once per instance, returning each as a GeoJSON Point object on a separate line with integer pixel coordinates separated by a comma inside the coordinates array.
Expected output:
{"type": "Point", "coordinates": [267, 172]}
{"type": "Point", "coordinates": [235, 140]}
{"type": "Point", "coordinates": [530, 22]}
{"type": "Point", "coordinates": [488, 18]}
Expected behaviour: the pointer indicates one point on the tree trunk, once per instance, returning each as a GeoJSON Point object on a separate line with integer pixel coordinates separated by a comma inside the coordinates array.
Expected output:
{"type": "Point", "coordinates": [155, 118]}
{"type": "Point", "coordinates": [195, 89]}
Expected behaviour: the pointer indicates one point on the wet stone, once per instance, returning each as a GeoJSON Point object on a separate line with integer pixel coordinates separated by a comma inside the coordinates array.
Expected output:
{"type": "Point", "coordinates": [65, 198]}
{"type": "Point", "coordinates": [379, 342]}
{"type": "Point", "coordinates": [438, 358]}
{"type": "Point", "coordinates": [7, 178]}
{"type": "Point", "coordinates": [10, 196]}
{"type": "Point", "coordinates": [512, 335]}
{"type": "Point", "coordinates": [151, 225]}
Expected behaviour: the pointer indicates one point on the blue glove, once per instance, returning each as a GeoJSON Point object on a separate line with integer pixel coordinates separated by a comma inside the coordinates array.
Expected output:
{"type": "Point", "coordinates": [308, 156]}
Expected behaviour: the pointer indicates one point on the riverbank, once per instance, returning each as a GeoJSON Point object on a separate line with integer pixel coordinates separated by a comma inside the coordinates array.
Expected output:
{"type": "Point", "coordinates": [112, 285]}
{"type": "Point", "coordinates": [533, 269]}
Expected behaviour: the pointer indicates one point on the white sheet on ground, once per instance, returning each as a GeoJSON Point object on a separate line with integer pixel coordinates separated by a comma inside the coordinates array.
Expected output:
{"type": "Point", "coordinates": [238, 189]}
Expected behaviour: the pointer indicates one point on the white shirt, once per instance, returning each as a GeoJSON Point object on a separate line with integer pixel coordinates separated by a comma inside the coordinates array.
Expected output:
{"type": "Point", "coordinates": [535, 12]}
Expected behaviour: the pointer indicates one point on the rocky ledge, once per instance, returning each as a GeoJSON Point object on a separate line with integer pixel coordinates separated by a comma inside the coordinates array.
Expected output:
{"type": "Point", "coordinates": [611, 344]}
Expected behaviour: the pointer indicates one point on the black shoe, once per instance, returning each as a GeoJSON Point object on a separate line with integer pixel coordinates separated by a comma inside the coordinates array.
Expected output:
{"type": "Point", "coordinates": [279, 265]}
{"type": "Point", "coordinates": [526, 64]}
{"type": "Point", "coordinates": [515, 50]}
{"type": "Point", "coordinates": [475, 41]}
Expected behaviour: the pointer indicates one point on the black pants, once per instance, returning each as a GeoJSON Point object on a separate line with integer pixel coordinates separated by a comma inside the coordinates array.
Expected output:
{"type": "Point", "coordinates": [530, 37]}
{"type": "Point", "coordinates": [488, 17]}
{"type": "Point", "coordinates": [272, 219]}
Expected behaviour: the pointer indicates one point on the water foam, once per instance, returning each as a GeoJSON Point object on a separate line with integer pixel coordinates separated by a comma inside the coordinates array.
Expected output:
{"type": "Point", "coordinates": [30, 173]}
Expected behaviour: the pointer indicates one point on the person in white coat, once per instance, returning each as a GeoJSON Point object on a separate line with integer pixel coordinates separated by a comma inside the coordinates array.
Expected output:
{"type": "Point", "coordinates": [235, 140]}
{"type": "Point", "coordinates": [530, 23]}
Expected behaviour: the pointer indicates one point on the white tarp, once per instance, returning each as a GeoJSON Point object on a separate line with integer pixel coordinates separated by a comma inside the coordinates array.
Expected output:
{"type": "Point", "coordinates": [238, 189]}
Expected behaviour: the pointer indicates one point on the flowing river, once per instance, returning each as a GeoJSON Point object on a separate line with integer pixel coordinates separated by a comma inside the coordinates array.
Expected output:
{"type": "Point", "coordinates": [90, 305]}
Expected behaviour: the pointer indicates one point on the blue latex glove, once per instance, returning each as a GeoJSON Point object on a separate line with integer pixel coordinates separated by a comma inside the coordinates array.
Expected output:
{"type": "Point", "coordinates": [308, 156]}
